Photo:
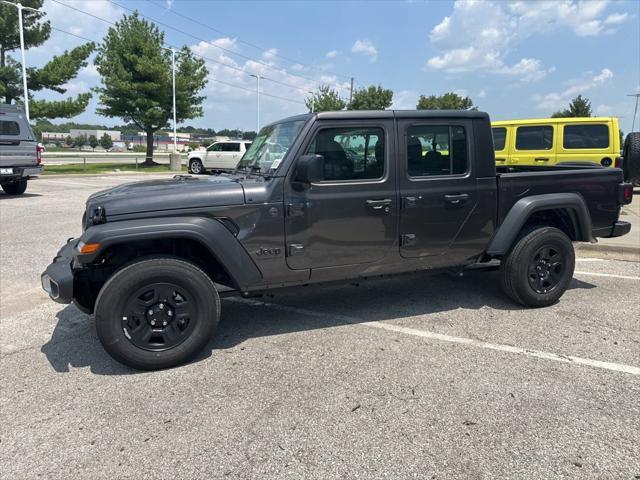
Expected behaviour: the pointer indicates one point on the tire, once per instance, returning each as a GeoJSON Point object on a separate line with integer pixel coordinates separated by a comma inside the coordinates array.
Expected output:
{"type": "Point", "coordinates": [157, 313]}
{"type": "Point", "coordinates": [196, 167]}
{"type": "Point", "coordinates": [15, 188]}
{"type": "Point", "coordinates": [539, 267]}
{"type": "Point", "coordinates": [631, 155]}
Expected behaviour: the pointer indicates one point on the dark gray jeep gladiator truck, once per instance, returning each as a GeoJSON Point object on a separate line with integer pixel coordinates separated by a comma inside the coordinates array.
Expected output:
{"type": "Point", "coordinates": [326, 197]}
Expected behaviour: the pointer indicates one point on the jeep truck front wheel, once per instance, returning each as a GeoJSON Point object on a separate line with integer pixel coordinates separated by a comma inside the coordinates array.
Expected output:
{"type": "Point", "coordinates": [157, 313]}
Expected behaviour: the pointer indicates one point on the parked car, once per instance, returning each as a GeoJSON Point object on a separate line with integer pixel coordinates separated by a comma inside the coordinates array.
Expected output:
{"type": "Point", "coordinates": [154, 257]}
{"type": "Point", "coordinates": [217, 157]}
{"type": "Point", "coordinates": [558, 141]}
{"type": "Point", "coordinates": [20, 152]}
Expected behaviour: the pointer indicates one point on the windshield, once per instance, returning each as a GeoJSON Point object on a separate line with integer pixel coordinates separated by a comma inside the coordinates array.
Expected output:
{"type": "Point", "coordinates": [270, 146]}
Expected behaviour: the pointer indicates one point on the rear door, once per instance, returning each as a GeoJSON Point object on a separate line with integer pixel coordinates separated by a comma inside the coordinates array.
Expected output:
{"type": "Point", "coordinates": [438, 192]}
{"type": "Point", "coordinates": [534, 144]}
{"type": "Point", "coordinates": [350, 216]}
{"type": "Point", "coordinates": [17, 143]}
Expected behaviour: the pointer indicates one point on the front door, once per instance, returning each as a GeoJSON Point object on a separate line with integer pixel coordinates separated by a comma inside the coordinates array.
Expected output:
{"type": "Point", "coordinates": [350, 216]}
{"type": "Point", "coordinates": [439, 222]}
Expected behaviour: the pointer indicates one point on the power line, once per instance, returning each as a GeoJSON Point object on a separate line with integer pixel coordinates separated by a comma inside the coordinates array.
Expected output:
{"type": "Point", "coordinates": [239, 40]}
{"type": "Point", "coordinates": [229, 51]}
{"type": "Point", "coordinates": [266, 94]}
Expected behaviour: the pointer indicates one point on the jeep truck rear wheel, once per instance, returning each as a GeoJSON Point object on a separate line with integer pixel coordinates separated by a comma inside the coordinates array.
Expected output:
{"type": "Point", "coordinates": [539, 268]}
{"type": "Point", "coordinates": [157, 313]}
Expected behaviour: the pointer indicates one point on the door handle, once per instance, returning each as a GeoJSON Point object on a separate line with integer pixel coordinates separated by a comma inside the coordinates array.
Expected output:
{"type": "Point", "coordinates": [457, 198]}
{"type": "Point", "coordinates": [383, 204]}
{"type": "Point", "coordinates": [541, 159]}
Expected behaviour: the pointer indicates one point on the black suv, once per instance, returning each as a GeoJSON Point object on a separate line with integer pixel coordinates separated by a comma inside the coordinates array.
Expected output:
{"type": "Point", "coordinates": [325, 197]}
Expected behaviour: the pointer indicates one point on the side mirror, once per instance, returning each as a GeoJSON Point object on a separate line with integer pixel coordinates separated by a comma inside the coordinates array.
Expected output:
{"type": "Point", "coordinates": [310, 168]}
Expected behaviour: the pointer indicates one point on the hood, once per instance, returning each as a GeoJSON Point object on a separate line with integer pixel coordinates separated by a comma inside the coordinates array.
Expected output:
{"type": "Point", "coordinates": [167, 194]}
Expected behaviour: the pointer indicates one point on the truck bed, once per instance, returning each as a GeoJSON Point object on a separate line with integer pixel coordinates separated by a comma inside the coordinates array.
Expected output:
{"type": "Point", "coordinates": [596, 185]}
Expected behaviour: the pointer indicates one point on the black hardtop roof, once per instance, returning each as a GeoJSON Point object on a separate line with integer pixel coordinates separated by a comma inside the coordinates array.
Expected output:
{"type": "Point", "coordinates": [404, 114]}
{"type": "Point", "coordinates": [11, 108]}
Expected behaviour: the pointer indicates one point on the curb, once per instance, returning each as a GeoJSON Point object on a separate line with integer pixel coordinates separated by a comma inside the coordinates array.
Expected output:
{"type": "Point", "coordinates": [106, 174]}
{"type": "Point", "coordinates": [608, 252]}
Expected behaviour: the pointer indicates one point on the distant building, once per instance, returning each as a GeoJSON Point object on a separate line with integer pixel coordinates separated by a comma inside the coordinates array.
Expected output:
{"type": "Point", "coordinates": [114, 134]}
{"type": "Point", "coordinates": [53, 136]}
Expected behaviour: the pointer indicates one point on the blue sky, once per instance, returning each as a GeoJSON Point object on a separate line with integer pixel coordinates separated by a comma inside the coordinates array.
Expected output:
{"type": "Point", "coordinates": [514, 59]}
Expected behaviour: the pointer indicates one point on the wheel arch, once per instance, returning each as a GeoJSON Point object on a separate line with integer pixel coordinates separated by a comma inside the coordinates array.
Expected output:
{"type": "Point", "coordinates": [206, 241]}
{"type": "Point", "coordinates": [566, 211]}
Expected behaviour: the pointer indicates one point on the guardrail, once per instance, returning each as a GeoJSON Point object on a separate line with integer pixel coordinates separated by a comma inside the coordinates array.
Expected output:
{"type": "Point", "coordinates": [62, 158]}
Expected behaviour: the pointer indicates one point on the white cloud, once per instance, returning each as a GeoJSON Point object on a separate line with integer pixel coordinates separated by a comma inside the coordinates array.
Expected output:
{"type": "Point", "coordinates": [480, 35]}
{"type": "Point", "coordinates": [405, 100]}
{"type": "Point", "coordinates": [270, 54]}
{"type": "Point", "coordinates": [556, 100]}
{"type": "Point", "coordinates": [366, 48]}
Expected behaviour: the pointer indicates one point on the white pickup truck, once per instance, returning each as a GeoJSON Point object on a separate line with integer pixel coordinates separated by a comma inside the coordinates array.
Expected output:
{"type": "Point", "coordinates": [20, 154]}
{"type": "Point", "coordinates": [218, 157]}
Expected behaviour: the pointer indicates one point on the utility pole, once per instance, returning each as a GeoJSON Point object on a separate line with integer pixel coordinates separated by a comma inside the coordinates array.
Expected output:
{"type": "Point", "coordinates": [351, 92]}
{"type": "Point", "coordinates": [173, 72]}
{"type": "Point", "coordinates": [257, 77]}
{"type": "Point", "coordinates": [635, 112]}
{"type": "Point", "coordinates": [173, 75]}
{"type": "Point", "coordinates": [24, 64]}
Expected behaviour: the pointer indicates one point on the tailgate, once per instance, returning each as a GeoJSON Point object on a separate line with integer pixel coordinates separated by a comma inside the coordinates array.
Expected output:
{"type": "Point", "coordinates": [17, 143]}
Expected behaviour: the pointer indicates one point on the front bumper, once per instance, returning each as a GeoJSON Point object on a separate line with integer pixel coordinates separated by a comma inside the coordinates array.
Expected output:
{"type": "Point", "coordinates": [21, 173]}
{"type": "Point", "coordinates": [57, 279]}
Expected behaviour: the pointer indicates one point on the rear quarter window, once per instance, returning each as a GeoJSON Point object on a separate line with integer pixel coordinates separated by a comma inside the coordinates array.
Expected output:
{"type": "Point", "coordinates": [9, 128]}
{"type": "Point", "coordinates": [585, 136]}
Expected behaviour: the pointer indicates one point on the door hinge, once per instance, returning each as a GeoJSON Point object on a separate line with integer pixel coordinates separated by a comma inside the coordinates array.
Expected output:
{"type": "Point", "coordinates": [407, 240]}
{"type": "Point", "coordinates": [295, 209]}
{"type": "Point", "coordinates": [295, 249]}
{"type": "Point", "coordinates": [408, 202]}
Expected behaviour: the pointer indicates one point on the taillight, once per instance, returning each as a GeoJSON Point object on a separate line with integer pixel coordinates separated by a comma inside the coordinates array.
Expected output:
{"type": "Point", "coordinates": [618, 163]}
{"type": "Point", "coordinates": [39, 150]}
{"type": "Point", "coordinates": [625, 193]}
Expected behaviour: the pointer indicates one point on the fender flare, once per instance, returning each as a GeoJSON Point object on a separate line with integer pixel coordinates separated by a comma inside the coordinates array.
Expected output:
{"type": "Point", "coordinates": [523, 209]}
{"type": "Point", "coordinates": [211, 233]}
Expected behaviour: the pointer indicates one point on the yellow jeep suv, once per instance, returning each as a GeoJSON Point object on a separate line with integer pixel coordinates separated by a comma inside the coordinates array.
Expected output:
{"type": "Point", "coordinates": [553, 141]}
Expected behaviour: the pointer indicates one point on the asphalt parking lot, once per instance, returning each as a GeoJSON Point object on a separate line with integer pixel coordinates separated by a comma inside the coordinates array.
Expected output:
{"type": "Point", "coordinates": [411, 377]}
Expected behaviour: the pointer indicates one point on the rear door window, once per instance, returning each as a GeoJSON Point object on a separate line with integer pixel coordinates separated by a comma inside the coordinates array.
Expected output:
{"type": "Point", "coordinates": [436, 150]}
{"type": "Point", "coordinates": [9, 128]}
{"type": "Point", "coordinates": [231, 147]}
{"type": "Point", "coordinates": [247, 146]}
{"type": "Point", "coordinates": [499, 138]}
{"type": "Point", "coordinates": [585, 136]}
{"type": "Point", "coordinates": [539, 137]}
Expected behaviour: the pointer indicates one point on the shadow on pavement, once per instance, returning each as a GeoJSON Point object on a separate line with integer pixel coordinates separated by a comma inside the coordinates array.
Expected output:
{"type": "Point", "coordinates": [4, 196]}
{"type": "Point", "coordinates": [74, 343]}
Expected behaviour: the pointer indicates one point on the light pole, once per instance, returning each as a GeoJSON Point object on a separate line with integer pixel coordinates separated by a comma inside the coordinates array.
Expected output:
{"type": "Point", "coordinates": [173, 75]}
{"type": "Point", "coordinates": [313, 101]}
{"type": "Point", "coordinates": [257, 77]}
{"type": "Point", "coordinates": [24, 65]}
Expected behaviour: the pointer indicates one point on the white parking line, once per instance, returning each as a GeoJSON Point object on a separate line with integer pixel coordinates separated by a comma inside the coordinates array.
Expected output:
{"type": "Point", "coordinates": [616, 367]}
{"type": "Point", "coordinates": [611, 275]}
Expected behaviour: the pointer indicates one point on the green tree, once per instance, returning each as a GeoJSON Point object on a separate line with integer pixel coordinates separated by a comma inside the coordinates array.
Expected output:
{"type": "Point", "coordinates": [371, 98]}
{"type": "Point", "coordinates": [51, 76]}
{"type": "Point", "coordinates": [249, 135]}
{"type": "Point", "coordinates": [80, 141]}
{"type": "Point", "coordinates": [579, 107]}
{"type": "Point", "coordinates": [93, 142]}
{"type": "Point", "coordinates": [68, 141]}
{"type": "Point", "coordinates": [325, 99]}
{"type": "Point", "coordinates": [106, 142]}
{"type": "Point", "coordinates": [447, 101]}
{"type": "Point", "coordinates": [136, 78]}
